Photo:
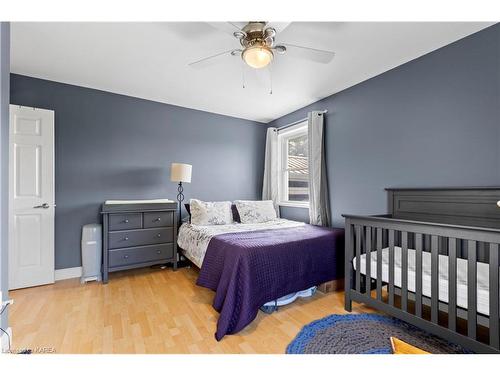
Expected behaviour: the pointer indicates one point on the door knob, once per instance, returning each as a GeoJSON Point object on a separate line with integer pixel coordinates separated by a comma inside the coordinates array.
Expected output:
{"type": "Point", "coordinates": [44, 205]}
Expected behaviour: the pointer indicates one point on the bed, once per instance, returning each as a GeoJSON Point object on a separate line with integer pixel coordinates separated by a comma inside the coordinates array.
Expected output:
{"type": "Point", "coordinates": [432, 261]}
{"type": "Point", "coordinates": [248, 265]}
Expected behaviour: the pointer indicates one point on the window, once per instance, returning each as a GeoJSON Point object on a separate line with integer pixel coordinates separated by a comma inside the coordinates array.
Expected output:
{"type": "Point", "coordinates": [293, 153]}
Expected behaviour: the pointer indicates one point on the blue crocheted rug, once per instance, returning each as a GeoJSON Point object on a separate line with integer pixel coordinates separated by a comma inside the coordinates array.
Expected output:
{"type": "Point", "coordinates": [364, 334]}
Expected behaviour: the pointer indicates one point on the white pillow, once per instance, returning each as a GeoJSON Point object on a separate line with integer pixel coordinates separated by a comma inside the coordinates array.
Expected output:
{"type": "Point", "coordinates": [255, 211]}
{"type": "Point", "coordinates": [210, 213]}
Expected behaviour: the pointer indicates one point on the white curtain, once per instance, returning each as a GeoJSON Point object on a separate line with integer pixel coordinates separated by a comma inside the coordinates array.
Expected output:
{"type": "Point", "coordinates": [319, 203]}
{"type": "Point", "coordinates": [271, 173]}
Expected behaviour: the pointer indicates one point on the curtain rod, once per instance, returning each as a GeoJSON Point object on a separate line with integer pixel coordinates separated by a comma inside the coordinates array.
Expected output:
{"type": "Point", "coordinates": [296, 122]}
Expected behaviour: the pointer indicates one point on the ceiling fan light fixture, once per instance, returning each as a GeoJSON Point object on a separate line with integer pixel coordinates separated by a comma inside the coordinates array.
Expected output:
{"type": "Point", "coordinates": [257, 57]}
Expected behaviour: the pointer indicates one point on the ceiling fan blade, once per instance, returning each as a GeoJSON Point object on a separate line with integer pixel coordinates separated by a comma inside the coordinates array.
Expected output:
{"type": "Point", "coordinates": [227, 27]}
{"type": "Point", "coordinates": [307, 53]}
{"type": "Point", "coordinates": [278, 26]}
{"type": "Point", "coordinates": [210, 60]}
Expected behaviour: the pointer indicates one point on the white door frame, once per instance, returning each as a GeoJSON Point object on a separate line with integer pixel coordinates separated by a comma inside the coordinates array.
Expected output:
{"type": "Point", "coordinates": [32, 211]}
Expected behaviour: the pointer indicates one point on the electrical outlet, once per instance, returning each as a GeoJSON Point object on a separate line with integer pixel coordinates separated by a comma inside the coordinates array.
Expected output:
{"type": "Point", "coordinates": [5, 344]}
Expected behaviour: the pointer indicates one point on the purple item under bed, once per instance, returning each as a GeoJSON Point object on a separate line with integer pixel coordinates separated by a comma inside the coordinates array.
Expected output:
{"type": "Point", "coordinates": [248, 269]}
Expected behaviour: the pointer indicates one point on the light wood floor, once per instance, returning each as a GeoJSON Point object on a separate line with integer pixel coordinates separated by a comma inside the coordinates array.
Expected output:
{"type": "Point", "coordinates": [150, 311]}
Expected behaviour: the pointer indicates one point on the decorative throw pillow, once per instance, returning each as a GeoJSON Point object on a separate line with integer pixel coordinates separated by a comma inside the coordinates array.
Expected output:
{"type": "Point", "coordinates": [234, 210]}
{"type": "Point", "coordinates": [255, 211]}
{"type": "Point", "coordinates": [210, 213]}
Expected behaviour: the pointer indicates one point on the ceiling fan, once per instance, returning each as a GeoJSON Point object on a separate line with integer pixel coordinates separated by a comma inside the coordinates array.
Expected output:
{"type": "Point", "coordinates": [258, 46]}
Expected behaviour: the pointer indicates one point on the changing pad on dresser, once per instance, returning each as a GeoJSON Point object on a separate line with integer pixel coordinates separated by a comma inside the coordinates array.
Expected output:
{"type": "Point", "coordinates": [138, 204]}
{"type": "Point", "coordinates": [138, 201]}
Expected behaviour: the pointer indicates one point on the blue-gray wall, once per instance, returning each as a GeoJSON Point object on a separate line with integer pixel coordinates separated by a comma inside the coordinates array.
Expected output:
{"type": "Point", "coordinates": [4, 160]}
{"type": "Point", "coordinates": [434, 121]}
{"type": "Point", "coordinates": [111, 146]}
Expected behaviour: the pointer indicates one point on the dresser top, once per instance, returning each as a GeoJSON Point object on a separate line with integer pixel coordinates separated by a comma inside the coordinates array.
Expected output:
{"type": "Point", "coordinates": [138, 205]}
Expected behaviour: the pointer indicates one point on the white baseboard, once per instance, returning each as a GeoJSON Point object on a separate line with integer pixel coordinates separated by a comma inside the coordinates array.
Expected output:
{"type": "Point", "coordinates": [68, 273]}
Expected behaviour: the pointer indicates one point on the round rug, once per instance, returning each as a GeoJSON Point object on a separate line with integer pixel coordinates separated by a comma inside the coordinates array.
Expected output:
{"type": "Point", "coordinates": [364, 334]}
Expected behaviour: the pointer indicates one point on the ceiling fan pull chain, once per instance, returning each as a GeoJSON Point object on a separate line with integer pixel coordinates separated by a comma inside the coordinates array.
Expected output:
{"type": "Point", "coordinates": [243, 75]}
{"type": "Point", "coordinates": [270, 80]}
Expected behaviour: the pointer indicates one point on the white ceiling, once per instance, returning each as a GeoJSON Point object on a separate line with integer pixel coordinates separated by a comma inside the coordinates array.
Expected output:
{"type": "Point", "coordinates": [149, 60]}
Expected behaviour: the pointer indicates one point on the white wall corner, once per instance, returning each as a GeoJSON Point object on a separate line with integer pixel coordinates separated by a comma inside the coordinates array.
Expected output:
{"type": "Point", "coordinates": [68, 273]}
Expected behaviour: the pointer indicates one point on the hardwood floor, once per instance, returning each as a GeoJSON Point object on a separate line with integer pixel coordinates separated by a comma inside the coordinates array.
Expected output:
{"type": "Point", "coordinates": [150, 311]}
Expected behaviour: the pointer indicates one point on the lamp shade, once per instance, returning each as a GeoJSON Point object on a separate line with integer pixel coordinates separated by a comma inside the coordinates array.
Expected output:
{"type": "Point", "coordinates": [180, 172]}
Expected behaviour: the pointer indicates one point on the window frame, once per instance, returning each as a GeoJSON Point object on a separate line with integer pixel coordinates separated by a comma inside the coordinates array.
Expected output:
{"type": "Point", "coordinates": [283, 137]}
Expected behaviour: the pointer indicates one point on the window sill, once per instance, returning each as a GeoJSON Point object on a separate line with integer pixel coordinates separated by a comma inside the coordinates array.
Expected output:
{"type": "Point", "coordinates": [294, 204]}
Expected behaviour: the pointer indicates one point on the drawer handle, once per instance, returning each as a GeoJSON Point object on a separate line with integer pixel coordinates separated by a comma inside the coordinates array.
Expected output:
{"type": "Point", "coordinates": [126, 221]}
{"type": "Point", "coordinates": [125, 238]}
{"type": "Point", "coordinates": [158, 252]}
{"type": "Point", "coordinates": [158, 235]}
{"type": "Point", "coordinates": [125, 256]}
{"type": "Point", "coordinates": [158, 219]}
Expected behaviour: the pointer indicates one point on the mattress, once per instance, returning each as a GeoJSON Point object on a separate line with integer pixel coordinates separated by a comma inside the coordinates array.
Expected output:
{"type": "Point", "coordinates": [194, 239]}
{"type": "Point", "coordinates": [482, 276]}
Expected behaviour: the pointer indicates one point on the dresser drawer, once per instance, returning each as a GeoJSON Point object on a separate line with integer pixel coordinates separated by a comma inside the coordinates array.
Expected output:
{"type": "Point", "coordinates": [142, 254]}
{"type": "Point", "coordinates": [139, 237]}
{"type": "Point", "coordinates": [125, 221]}
{"type": "Point", "coordinates": [158, 219]}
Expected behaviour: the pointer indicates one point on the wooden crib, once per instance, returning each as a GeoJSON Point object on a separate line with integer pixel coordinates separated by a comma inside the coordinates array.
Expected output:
{"type": "Point", "coordinates": [432, 261]}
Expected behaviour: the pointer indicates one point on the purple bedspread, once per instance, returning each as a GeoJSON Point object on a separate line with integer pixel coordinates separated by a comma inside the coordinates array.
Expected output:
{"type": "Point", "coordinates": [248, 269]}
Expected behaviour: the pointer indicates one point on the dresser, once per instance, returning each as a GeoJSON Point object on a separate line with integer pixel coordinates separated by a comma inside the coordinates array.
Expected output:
{"type": "Point", "coordinates": [138, 235]}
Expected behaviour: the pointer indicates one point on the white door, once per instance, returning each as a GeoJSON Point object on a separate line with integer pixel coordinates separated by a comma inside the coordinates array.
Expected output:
{"type": "Point", "coordinates": [31, 197]}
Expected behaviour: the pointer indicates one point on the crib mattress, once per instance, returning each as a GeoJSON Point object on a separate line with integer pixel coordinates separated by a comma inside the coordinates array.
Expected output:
{"type": "Point", "coordinates": [482, 276]}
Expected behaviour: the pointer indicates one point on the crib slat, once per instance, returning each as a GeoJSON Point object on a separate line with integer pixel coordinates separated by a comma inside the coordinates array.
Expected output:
{"type": "Point", "coordinates": [368, 249]}
{"type": "Point", "coordinates": [452, 284]}
{"type": "Point", "coordinates": [404, 271]}
{"type": "Point", "coordinates": [418, 275]}
{"type": "Point", "coordinates": [434, 279]}
{"type": "Point", "coordinates": [494, 329]}
{"type": "Point", "coordinates": [391, 267]}
{"type": "Point", "coordinates": [379, 264]}
{"type": "Point", "coordinates": [471, 289]}
{"type": "Point", "coordinates": [358, 258]}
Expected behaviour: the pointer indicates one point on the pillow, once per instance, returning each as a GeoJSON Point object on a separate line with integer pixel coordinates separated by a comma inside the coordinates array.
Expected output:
{"type": "Point", "coordinates": [210, 213]}
{"type": "Point", "coordinates": [401, 347]}
{"type": "Point", "coordinates": [234, 210]}
{"type": "Point", "coordinates": [255, 211]}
